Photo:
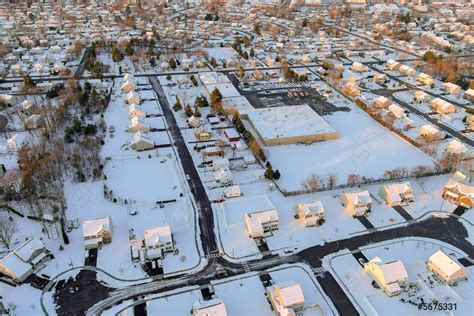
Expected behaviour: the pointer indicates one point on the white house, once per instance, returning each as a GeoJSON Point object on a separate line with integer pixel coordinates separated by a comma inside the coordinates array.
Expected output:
{"type": "Point", "coordinates": [381, 102]}
{"type": "Point", "coordinates": [358, 67]}
{"type": "Point", "coordinates": [425, 79]}
{"type": "Point", "coordinates": [446, 268]}
{"type": "Point", "coordinates": [141, 142]}
{"type": "Point", "coordinates": [429, 132]}
{"type": "Point", "coordinates": [455, 147]}
{"type": "Point", "coordinates": [128, 86]}
{"type": "Point", "coordinates": [132, 97]}
{"type": "Point", "coordinates": [29, 257]}
{"type": "Point", "coordinates": [380, 78]}
{"type": "Point", "coordinates": [220, 163]}
{"type": "Point", "coordinates": [97, 232]}
{"type": "Point", "coordinates": [286, 298]}
{"type": "Point", "coordinates": [388, 276]}
{"type": "Point", "coordinates": [397, 193]}
{"type": "Point", "coordinates": [232, 191]}
{"type": "Point", "coordinates": [262, 223]}
{"type": "Point", "coordinates": [420, 96]}
{"type": "Point", "coordinates": [223, 176]}
{"type": "Point", "coordinates": [311, 214]}
{"type": "Point", "coordinates": [450, 88]}
{"type": "Point", "coordinates": [137, 125]}
{"type": "Point", "coordinates": [134, 110]}
{"type": "Point", "coordinates": [357, 203]}
{"type": "Point", "coordinates": [397, 111]}
{"type": "Point", "coordinates": [469, 94]}
{"type": "Point", "coordinates": [158, 241]}
{"type": "Point", "coordinates": [442, 107]}
{"type": "Point", "coordinates": [212, 307]}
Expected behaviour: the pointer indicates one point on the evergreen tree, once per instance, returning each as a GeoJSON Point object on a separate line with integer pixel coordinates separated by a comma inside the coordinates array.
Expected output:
{"type": "Point", "coordinates": [213, 62]}
{"type": "Point", "coordinates": [177, 105]}
{"type": "Point", "coordinates": [188, 111]}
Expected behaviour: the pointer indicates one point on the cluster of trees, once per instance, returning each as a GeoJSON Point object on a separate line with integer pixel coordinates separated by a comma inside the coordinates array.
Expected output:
{"type": "Point", "coordinates": [201, 101]}
{"type": "Point", "coordinates": [216, 101]}
{"type": "Point", "coordinates": [237, 46]}
{"type": "Point", "coordinates": [446, 68]}
{"type": "Point", "coordinates": [271, 174]}
{"type": "Point", "coordinates": [248, 137]}
{"type": "Point", "coordinates": [315, 182]}
{"type": "Point", "coordinates": [95, 67]}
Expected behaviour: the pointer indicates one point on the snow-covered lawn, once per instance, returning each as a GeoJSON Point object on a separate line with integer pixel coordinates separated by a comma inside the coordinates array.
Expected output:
{"type": "Point", "coordinates": [414, 253]}
{"type": "Point", "coordinates": [364, 148]}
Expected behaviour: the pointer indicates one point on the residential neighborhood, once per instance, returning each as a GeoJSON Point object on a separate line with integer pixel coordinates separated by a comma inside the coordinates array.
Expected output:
{"type": "Point", "coordinates": [236, 157]}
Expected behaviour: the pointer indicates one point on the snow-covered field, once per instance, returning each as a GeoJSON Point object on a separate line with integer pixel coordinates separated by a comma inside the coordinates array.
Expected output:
{"type": "Point", "coordinates": [364, 148]}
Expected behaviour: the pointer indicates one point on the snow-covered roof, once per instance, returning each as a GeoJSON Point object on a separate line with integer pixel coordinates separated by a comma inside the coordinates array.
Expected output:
{"type": "Point", "coordinates": [445, 263]}
{"type": "Point", "coordinates": [312, 207]}
{"type": "Point", "coordinates": [288, 121]}
{"type": "Point", "coordinates": [290, 293]}
{"type": "Point", "coordinates": [395, 190]}
{"type": "Point", "coordinates": [94, 227]}
{"type": "Point", "coordinates": [392, 272]}
{"type": "Point", "coordinates": [14, 264]}
{"type": "Point", "coordinates": [29, 249]}
{"type": "Point", "coordinates": [158, 235]}
{"type": "Point", "coordinates": [213, 307]}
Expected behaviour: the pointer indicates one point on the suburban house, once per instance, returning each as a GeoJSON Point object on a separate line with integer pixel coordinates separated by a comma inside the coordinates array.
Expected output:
{"type": "Point", "coordinates": [455, 147]}
{"type": "Point", "coordinates": [137, 125]}
{"type": "Point", "coordinates": [357, 203]}
{"type": "Point", "coordinates": [388, 276]}
{"type": "Point", "coordinates": [97, 232]}
{"type": "Point", "coordinates": [380, 78]}
{"type": "Point", "coordinates": [450, 88]}
{"type": "Point", "coordinates": [431, 133]}
{"type": "Point", "coordinates": [232, 191]}
{"type": "Point", "coordinates": [128, 86]}
{"type": "Point", "coordinates": [310, 214]}
{"type": "Point", "coordinates": [134, 110]}
{"type": "Point", "coordinates": [223, 176]}
{"type": "Point", "coordinates": [262, 223]}
{"type": "Point", "coordinates": [381, 103]}
{"type": "Point", "coordinates": [446, 268]}
{"type": "Point", "coordinates": [220, 163]}
{"type": "Point", "coordinates": [469, 94]}
{"type": "Point", "coordinates": [212, 151]}
{"type": "Point", "coordinates": [392, 64]}
{"type": "Point", "coordinates": [141, 142]}
{"type": "Point", "coordinates": [470, 123]}
{"type": "Point", "coordinates": [28, 258]}
{"type": "Point", "coordinates": [397, 111]}
{"type": "Point", "coordinates": [232, 135]}
{"type": "Point", "coordinates": [425, 79]}
{"type": "Point", "coordinates": [397, 193]}
{"type": "Point", "coordinates": [459, 192]}
{"type": "Point", "coordinates": [442, 107]}
{"type": "Point", "coordinates": [212, 307]}
{"type": "Point", "coordinates": [157, 242]}
{"type": "Point", "coordinates": [406, 70]}
{"type": "Point", "coordinates": [286, 298]}
{"type": "Point", "coordinates": [132, 97]}
{"type": "Point", "coordinates": [420, 96]}
{"type": "Point", "coordinates": [358, 67]}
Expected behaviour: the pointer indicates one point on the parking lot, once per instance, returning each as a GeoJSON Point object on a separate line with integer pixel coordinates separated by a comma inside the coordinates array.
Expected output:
{"type": "Point", "coordinates": [272, 94]}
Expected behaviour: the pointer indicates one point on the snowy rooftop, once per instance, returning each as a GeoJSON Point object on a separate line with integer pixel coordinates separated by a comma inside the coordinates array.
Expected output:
{"type": "Point", "coordinates": [157, 236]}
{"type": "Point", "coordinates": [288, 121]}
{"type": "Point", "coordinates": [93, 227]}
{"type": "Point", "coordinates": [444, 262]}
{"type": "Point", "coordinates": [290, 293]}
{"type": "Point", "coordinates": [213, 307]}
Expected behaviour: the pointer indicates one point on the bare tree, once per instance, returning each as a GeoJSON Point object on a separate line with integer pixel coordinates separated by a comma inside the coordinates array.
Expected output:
{"type": "Point", "coordinates": [313, 183]}
{"type": "Point", "coordinates": [331, 180]}
{"type": "Point", "coordinates": [7, 230]}
{"type": "Point", "coordinates": [353, 179]}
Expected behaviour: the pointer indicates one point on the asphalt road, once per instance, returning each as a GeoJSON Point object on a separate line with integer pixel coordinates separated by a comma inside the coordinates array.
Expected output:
{"type": "Point", "coordinates": [206, 217]}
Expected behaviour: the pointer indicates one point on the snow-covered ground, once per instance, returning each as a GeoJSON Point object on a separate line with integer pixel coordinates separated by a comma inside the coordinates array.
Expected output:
{"type": "Point", "coordinates": [414, 253]}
